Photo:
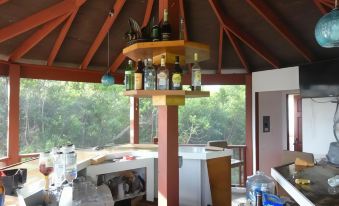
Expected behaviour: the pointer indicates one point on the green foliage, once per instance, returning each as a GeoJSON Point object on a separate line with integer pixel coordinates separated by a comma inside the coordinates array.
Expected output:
{"type": "Point", "coordinates": [3, 115]}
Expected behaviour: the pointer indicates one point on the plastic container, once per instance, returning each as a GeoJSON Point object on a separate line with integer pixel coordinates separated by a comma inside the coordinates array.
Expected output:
{"type": "Point", "coordinates": [259, 182]}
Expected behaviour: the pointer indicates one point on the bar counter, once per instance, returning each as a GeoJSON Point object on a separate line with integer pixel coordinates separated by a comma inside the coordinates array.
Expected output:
{"type": "Point", "coordinates": [316, 193]}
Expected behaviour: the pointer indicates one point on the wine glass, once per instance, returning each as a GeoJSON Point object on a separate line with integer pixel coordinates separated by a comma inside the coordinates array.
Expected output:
{"type": "Point", "coordinates": [46, 166]}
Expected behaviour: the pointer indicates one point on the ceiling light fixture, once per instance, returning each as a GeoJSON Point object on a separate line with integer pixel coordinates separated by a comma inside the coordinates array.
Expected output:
{"type": "Point", "coordinates": [107, 79]}
{"type": "Point", "coordinates": [327, 28]}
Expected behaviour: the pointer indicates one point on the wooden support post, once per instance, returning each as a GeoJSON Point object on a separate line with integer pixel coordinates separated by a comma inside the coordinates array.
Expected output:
{"type": "Point", "coordinates": [13, 148]}
{"type": "Point", "coordinates": [249, 136]}
{"type": "Point", "coordinates": [168, 162]}
{"type": "Point", "coordinates": [134, 120]}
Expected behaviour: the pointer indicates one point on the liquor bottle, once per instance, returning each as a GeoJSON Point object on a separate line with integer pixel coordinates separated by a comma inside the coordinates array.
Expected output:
{"type": "Point", "coordinates": [129, 76]}
{"type": "Point", "coordinates": [150, 76]}
{"type": "Point", "coordinates": [155, 35]}
{"type": "Point", "coordinates": [176, 76]}
{"type": "Point", "coordinates": [196, 74]}
{"type": "Point", "coordinates": [138, 76]}
{"type": "Point", "coordinates": [162, 76]}
{"type": "Point", "coordinates": [165, 28]}
{"type": "Point", "coordinates": [181, 29]}
{"type": "Point", "coordinates": [2, 192]}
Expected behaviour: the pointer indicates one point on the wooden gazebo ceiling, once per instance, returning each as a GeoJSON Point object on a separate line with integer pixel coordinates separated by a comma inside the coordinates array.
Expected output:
{"type": "Point", "coordinates": [246, 35]}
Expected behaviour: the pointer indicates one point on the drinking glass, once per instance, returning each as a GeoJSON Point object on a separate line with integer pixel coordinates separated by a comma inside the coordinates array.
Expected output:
{"type": "Point", "coordinates": [46, 166]}
{"type": "Point", "coordinates": [71, 167]}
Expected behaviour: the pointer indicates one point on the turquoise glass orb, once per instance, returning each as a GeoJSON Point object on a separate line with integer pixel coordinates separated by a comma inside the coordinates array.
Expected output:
{"type": "Point", "coordinates": [327, 29]}
{"type": "Point", "coordinates": [107, 79]}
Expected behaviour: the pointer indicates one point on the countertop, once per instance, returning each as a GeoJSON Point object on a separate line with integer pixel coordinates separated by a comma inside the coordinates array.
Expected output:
{"type": "Point", "coordinates": [316, 193]}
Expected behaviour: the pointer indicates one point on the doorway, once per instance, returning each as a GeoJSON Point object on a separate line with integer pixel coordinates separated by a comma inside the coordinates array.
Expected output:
{"type": "Point", "coordinates": [294, 118]}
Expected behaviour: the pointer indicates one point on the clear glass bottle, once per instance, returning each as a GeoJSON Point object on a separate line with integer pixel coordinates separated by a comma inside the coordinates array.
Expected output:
{"type": "Point", "coordinates": [196, 74]}
{"type": "Point", "coordinates": [176, 76]}
{"type": "Point", "coordinates": [129, 76]}
{"type": "Point", "coordinates": [258, 183]}
{"type": "Point", "coordinates": [162, 76]}
{"type": "Point", "coordinates": [59, 168]}
{"type": "Point", "coordinates": [70, 167]}
{"type": "Point", "coordinates": [150, 75]}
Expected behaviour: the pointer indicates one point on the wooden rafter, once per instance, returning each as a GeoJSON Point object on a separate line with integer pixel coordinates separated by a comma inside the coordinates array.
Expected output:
{"type": "Point", "coordinates": [38, 19]}
{"type": "Point", "coordinates": [329, 4]}
{"type": "Point", "coordinates": [182, 14]}
{"type": "Point", "coordinates": [121, 58]}
{"type": "Point", "coordinates": [60, 38]}
{"type": "Point", "coordinates": [35, 38]}
{"type": "Point", "coordinates": [268, 14]}
{"type": "Point", "coordinates": [221, 38]}
{"type": "Point", "coordinates": [3, 1]}
{"type": "Point", "coordinates": [237, 50]}
{"type": "Point", "coordinates": [320, 7]}
{"type": "Point", "coordinates": [102, 33]}
{"type": "Point", "coordinates": [244, 37]}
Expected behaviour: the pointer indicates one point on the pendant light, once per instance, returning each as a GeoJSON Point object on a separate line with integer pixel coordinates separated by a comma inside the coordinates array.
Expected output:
{"type": "Point", "coordinates": [327, 29]}
{"type": "Point", "coordinates": [107, 79]}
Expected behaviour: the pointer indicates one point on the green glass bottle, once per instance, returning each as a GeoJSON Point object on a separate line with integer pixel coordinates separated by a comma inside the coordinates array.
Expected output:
{"type": "Point", "coordinates": [129, 76]}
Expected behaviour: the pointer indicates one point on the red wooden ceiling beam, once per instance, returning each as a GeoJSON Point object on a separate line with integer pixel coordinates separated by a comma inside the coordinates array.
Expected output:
{"type": "Point", "coordinates": [35, 38]}
{"type": "Point", "coordinates": [182, 14]}
{"type": "Point", "coordinates": [121, 58]}
{"type": "Point", "coordinates": [3, 1]}
{"type": "Point", "coordinates": [329, 4]}
{"type": "Point", "coordinates": [102, 33]}
{"type": "Point", "coordinates": [320, 7]}
{"type": "Point", "coordinates": [246, 38]}
{"type": "Point", "coordinates": [221, 38]}
{"type": "Point", "coordinates": [38, 19]}
{"type": "Point", "coordinates": [60, 39]}
{"type": "Point", "coordinates": [265, 12]}
{"type": "Point", "coordinates": [237, 50]}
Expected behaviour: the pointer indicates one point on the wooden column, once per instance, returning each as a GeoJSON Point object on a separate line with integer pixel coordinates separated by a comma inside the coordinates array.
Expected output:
{"type": "Point", "coordinates": [168, 163]}
{"type": "Point", "coordinates": [13, 142]}
{"type": "Point", "coordinates": [134, 120]}
{"type": "Point", "coordinates": [249, 137]}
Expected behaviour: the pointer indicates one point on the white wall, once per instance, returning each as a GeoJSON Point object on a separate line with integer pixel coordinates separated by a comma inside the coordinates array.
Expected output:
{"type": "Point", "coordinates": [272, 80]}
{"type": "Point", "coordinates": [317, 125]}
{"type": "Point", "coordinates": [271, 144]}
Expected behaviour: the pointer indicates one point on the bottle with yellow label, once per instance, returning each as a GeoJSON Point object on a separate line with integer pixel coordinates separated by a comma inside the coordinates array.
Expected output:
{"type": "Point", "coordinates": [196, 74]}
{"type": "Point", "coordinates": [176, 76]}
{"type": "Point", "coordinates": [162, 75]}
{"type": "Point", "coordinates": [138, 76]}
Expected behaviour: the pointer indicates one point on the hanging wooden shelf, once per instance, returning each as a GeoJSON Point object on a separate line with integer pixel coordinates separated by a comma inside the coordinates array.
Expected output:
{"type": "Point", "coordinates": [184, 49]}
{"type": "Point", "coordinates": [167, 97]}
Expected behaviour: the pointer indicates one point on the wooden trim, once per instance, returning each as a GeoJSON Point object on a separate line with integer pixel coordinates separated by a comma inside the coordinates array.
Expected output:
{"type": "Point", "coordinates": [329, 4]}
{"type": "Point", "coordinates": [320, 7]}
{"type": "Point", "coordinates": [148, 13]}
{"type": "Point", "coordinates": [287, 123]}
{"type": "Point", "coordinates": [248, 168]}
{"type": "Point", "coordinates": [237, 50]}
{"type": "Point", "coordinates": [102, 33]}
{"type": "Point", "coordinates": [134, 120]}
{"type": "Point", "coordinates": [221, 38]}
{"type": "Point", "coordinates": [275, 21]}
{"type": "Point", "coordinates": [35, 38]}
{"type": "Point", "coordinates": [257, 130]}
{"type": "Point", "coordinates": [37, 19]}
{"type": "Point", "coordinates": [4, 69]}
{"type": "Point", "coordinates": [244, 37]}
{"type": "Point", "coordinates": [60, 39]}
{"type": "Point", "coordinates": [13, 141]}
{"type": "Point", "coordinates": [3, 1]}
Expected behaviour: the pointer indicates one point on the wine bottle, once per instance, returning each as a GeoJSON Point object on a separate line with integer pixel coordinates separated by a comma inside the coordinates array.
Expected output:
{"type": "Point", "coordinates": [149, 75]}
{"type": "Point", "coordinates": [165, 28]}
{"type": "Point", "coordinates": [176, 76]}
{"type": "Point", "coordinates": [162, 76]}
{"type": "Point", "coordinates": [196, 74]}
{"type": "Point", "coordinates": [129, 76]}
{"type": "Point", "coordinates": [138, 76]}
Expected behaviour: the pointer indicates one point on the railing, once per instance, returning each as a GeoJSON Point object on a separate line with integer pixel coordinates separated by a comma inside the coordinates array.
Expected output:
{"type": "Point", "coordinates": [239, 175]}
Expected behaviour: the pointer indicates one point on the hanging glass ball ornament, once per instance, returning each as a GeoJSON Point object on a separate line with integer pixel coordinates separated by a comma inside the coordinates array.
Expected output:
{"type": "Point", "coordinates": [107, 79]}
{"type": "Point", "coordinates": [327, 29]}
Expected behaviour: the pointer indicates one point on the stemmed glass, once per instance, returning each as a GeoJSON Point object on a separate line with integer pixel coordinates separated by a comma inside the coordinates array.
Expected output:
{"type": "Point", "coordinates": [46, 167]}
